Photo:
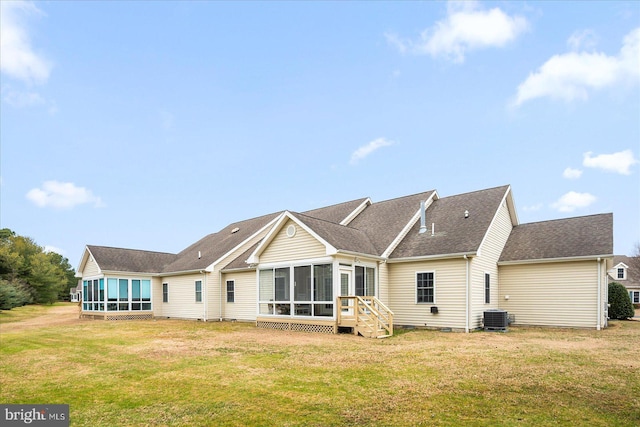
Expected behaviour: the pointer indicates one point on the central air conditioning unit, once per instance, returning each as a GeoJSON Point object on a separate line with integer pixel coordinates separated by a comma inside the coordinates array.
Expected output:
{"type": "Point", "coordinates": [496, 320]}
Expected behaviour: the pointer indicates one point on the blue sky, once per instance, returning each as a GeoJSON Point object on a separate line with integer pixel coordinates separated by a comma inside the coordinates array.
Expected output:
{"type": "Point", "coordinates": [151, 124]}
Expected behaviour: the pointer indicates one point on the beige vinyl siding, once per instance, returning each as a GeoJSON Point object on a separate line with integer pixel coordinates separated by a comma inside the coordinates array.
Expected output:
{"type": "Point", "coordinates": [91, 268]}
{"type": "Point", "coordinates": [182, 297]}
{"type": "Point", "coordinates": [244, 307]}
{"type": "Point", "coordinates": [383, 283]}
{"type": "Point", "coordinates": [213, 296]}
{"type": "Point", "coordinates": [156, 296]}
{"type": "Point", "coordinates": [450, 284]}
{"type": "Point", "coordinates": [487, 262]}
{"type": "Point", "coordinates": [213, 280]}
{"type": "Point", "coordinates": [551, 294]}
{"type": "Point", "coordinates": [301, 246]}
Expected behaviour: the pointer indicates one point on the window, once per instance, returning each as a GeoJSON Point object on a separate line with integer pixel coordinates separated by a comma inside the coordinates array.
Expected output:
{"type": "Point", "coordinates": [146, 294]}
{"type": "Point", "coordinates": [165, 292]}
{"type": "Point", "coordinates": [635, 296]}
{"type": "Point", "coordinates": [231, 291]}
{"type": "Point", "coordinates": [123, 299]}
{"type": "Point", "coordinates": [112, 294]}
{"type": "Point", "coordinates": [487, 288]}
{"type": "Point", "coordinates": [93, 295]}
{"type": "Point", "coordinates": [365, 281]}
{"type": "Point", "coordinates": [198, 290]}
{"type": "Point", "coordinates": [303, 290]}
{"type": "Point", "coordinates": [621, 273]}
{"type": "Point", "coordinates": [425, 288]}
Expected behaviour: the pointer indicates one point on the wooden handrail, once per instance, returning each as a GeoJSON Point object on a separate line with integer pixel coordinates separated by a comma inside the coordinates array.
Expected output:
{"type": "Point", "coordinates": [368, 313]}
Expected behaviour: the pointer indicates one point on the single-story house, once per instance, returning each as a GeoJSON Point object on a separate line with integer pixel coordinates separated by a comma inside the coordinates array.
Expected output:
{"type": "Point", "coordinates": [624, 272]}
{"type": "Point", "coordinates": [420, 260]}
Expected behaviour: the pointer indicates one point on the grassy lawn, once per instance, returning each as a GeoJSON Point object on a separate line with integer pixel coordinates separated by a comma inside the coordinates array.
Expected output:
{"type": "Point", "coordinates": [183, 373]}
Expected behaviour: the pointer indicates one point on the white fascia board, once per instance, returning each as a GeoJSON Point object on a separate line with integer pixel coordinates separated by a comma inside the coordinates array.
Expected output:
{"type": "Point", "coordinates": [83, 262]}
{"type": "Point", "coordinates": [211, 267]}
{"type": "Point", "coordinates": [432, 257]}
{"type": "Point", "coordinates": [550, 260]}
{"type": "Point", "coordinates": [620, 265]}
{"type": "Point", "coordinates": [359, 255]}
{"type": "Point", "coordinates": [403, 233]}
{"type": "Point", "coordinates": [254, 258]}
{"type": "Point", "coordinates": [356, 212]}
{"type": "Point", "coordinates": [128, 273]}
{"type": "Point", "coordinates": [505, 199]}
{"type": "Point", "coordinates": [330, 250]}
{"type": "Point", "coordinates": [511, 204]}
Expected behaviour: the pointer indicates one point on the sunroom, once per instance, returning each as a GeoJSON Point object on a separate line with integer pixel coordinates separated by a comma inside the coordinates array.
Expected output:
{"type": "Point", "coordinates": [113, 298]}
{"type": "Point", "coordinates": [303, 295]}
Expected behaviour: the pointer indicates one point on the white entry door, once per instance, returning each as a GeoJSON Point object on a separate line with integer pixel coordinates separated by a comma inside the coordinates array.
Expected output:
{"type": "Point", "coordinates": [346, 289]}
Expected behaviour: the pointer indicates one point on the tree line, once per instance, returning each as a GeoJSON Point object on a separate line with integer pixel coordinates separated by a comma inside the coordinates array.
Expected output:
{"type": "Point", "coordinates": [29, 274]}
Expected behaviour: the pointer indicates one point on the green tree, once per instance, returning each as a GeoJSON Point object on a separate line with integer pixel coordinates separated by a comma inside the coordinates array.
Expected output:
{"type": "Point", "coordinates": [28, 274]}
{"type": "Point", "coordinates": [620, 306]}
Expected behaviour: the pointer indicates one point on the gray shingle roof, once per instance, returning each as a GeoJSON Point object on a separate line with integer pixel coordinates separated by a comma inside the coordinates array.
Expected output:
{"type": "Point", "coordinates": [131, 260]}
{"type": "Point", "coordinates": [341, 237]}
{"type": "Point", "coordinates": [454, 233]}
{"type": "Point", "coordinates": [336, 213]}
{"type": "Point", "coordinates": [584, 236]}
{"type": "Point", "coordinates": [383, 221]}
{"type": "Point", "coordinates": [215, 245]}
{"type": "Point", "coordinates": [633, 273]}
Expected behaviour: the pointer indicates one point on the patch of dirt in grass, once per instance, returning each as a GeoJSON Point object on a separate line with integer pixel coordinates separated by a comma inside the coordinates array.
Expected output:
{"type": "Point", "coordinates": [66, 314]}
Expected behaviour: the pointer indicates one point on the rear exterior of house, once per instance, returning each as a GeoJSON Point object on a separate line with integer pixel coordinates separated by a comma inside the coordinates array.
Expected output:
{"type": "Point", "coordinates": [418, 260]}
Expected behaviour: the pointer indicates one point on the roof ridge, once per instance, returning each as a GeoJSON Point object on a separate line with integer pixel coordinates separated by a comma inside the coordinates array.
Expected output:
{"type": "Point", "coordinates": [474, 191]}
{"type": "Point", "coordinates": [130, 249]}
{"type": "Point", "coordinates": [403, 197]}
{"type": "Point", "coordinates": [336, 204]}
{"type": "Point", "coordinates": [564, 219]}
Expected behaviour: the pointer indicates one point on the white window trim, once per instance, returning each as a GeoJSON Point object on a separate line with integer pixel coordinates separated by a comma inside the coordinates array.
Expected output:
{"type": "Point", "coordinates": [195, 289]}
{"type": "Point", "coordinates": [484, 287]}
{"type": "Point", "coordinates": [227, 291]}
{"type": "Point", "coordinates": [624, 273]}
{"type": "Point", "coordinates": [415, 287]}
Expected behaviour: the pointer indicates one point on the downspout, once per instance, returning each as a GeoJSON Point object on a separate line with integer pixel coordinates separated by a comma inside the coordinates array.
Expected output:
{"type": "Point", "coordinates": [466, 301]}
{"type": "Point", "coordinates": [205, 294]}
{"type": "Point", "coordinates": [220, 286]}
{"type": "Point", "coordinates": [598, 325]}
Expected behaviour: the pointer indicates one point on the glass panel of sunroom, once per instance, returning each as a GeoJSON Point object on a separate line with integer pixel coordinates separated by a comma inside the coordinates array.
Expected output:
{"type": "Point", "coordinates": [302, 284]}
{"type": "Point", "coordinates": [323, 282]}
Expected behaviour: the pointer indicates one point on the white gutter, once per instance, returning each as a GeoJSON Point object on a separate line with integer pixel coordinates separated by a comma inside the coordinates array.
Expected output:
{"type": "Point", "coordinates": [545, 260]}
{"type": "Point", "coordinates": [432, 257]}
{"type": "Point", "coordinates": [466, 312]}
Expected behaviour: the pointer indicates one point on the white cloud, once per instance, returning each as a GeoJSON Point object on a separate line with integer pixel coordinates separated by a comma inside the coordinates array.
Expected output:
{"type": "Point", "coordinates": [619, 162]}
{"type": "Point", "coordinates": [62, 195]}
{"type": "Point", "coordinates": [465, 28]}
{"type": "Point", "coordinates": [583, 39]}
{"type": "Point", "coordinates": [572, 75]}
{"type": "Point", "coordinates": [369, 148]}
{"type": "Point", "coordinates": [533, 208]}
{"type": "Point", "coordinates": [18, 58]}
{"type": "Point", "coordinates": [49, 248]}
{"type": "Point", "coordinates": [573, 200]}
{"type": "Point", "coordinates": [19, 99]}
{"type": "Point", "coordinates": [571, 173]}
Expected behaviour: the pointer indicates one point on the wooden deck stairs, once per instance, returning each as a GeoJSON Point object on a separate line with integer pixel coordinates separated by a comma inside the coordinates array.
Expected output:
{"type": "Point", "coordinates": [366, 316]}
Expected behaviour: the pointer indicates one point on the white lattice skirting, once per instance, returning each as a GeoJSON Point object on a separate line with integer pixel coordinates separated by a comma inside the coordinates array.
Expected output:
{"type": "Point", "coordinates": [145, 316]}
{"type": "Point", "coordinates": [293, 326]}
